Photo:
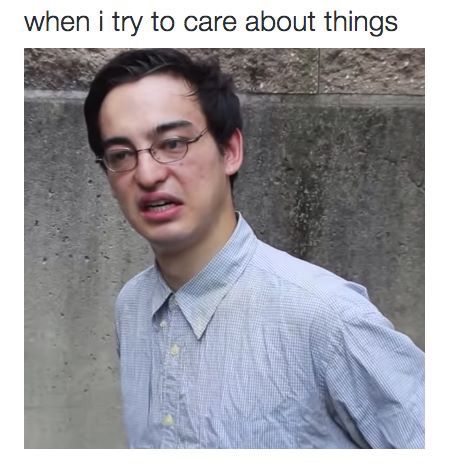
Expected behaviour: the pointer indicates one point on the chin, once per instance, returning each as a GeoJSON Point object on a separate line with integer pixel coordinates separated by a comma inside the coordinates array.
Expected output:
{"type": "Point", "coordinates": [168, 239]}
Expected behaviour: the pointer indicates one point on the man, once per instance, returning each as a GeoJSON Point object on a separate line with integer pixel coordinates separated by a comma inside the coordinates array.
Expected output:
{"type": "Point", "coordinates": [226, 341]}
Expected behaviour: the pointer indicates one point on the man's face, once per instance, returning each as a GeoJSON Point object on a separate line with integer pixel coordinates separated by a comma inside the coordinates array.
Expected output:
{"type": "Point", "coordinates": [175, 205]}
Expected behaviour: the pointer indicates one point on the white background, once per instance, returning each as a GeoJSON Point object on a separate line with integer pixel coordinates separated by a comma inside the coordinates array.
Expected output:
{"type": "Point", "coordinates": [441, 28]}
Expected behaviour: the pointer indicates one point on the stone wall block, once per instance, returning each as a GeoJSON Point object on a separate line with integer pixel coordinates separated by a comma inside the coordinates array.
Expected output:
{"type": "Point", "coordinates": [285, 70]}
{"type": "Point", "coordinates": [397, 71]}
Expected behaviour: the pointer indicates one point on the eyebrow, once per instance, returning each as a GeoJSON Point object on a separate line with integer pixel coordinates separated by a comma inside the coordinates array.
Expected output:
{"type": "Point", "coordinates": [158, 130]}
{"type": "Point", "coordinates": [115, 141]}
{"type": "Point", "coordinates": [161, 128]}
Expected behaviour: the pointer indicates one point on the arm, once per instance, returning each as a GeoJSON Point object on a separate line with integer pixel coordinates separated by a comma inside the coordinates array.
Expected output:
{"type": "Point", "coordinates": [375, 383]}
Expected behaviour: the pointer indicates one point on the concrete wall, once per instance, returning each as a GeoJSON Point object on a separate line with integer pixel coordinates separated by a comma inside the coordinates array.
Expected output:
{"type": "Point", "coordinates": [334, 174]}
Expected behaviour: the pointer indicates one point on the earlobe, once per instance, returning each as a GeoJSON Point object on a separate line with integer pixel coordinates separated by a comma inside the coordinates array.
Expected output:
{"type": "Point", "coordinates": [233, 153]}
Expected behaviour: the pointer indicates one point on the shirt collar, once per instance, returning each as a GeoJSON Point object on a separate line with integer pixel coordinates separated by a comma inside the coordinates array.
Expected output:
{"type": "Point", "coordinates": [200, 296]}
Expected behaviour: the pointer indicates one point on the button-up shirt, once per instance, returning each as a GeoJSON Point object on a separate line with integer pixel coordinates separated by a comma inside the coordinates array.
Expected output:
{"type": "Point", "coordinates": [263, 350]}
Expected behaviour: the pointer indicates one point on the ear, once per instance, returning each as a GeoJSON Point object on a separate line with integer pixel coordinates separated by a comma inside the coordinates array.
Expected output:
{"type": "Point", "coordinates": [233, 153]}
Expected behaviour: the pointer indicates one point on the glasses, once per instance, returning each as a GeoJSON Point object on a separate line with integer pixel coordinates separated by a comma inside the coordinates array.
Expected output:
{"type": "Point", "coordinates": [164, 151]}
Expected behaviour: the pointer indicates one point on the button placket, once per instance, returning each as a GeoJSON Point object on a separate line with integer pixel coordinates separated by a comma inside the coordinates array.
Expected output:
{"type": "Point", "coordinates": [172, 385]}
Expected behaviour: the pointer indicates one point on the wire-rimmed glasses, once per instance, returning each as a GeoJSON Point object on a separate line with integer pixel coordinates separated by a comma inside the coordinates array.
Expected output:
{"type": "Point", "coordinates": [163, 150]}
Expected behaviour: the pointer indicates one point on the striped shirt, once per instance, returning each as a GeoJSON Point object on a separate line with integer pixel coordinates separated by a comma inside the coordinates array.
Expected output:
{"type": "Point", "coordinates": [263, 350]}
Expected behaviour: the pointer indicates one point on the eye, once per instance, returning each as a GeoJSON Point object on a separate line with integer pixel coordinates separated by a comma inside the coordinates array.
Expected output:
{"type": "Point", "coordinates": [173, 144]}
{"type": "Point", "coordinates": [119, 155]}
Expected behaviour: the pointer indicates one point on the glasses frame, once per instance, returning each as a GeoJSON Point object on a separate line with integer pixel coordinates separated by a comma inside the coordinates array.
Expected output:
{"type": "Point", "coordinates": [101, 160]}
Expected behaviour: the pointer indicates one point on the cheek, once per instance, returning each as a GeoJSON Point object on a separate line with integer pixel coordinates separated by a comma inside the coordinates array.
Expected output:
{"type": "Point", "coordinates": [194, 173]}
{"type": "Point", "coordinates": [118, 189]}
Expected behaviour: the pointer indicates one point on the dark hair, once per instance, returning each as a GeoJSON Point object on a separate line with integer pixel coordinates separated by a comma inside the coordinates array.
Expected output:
{"type": "Point", "coordinates": [214, 90]}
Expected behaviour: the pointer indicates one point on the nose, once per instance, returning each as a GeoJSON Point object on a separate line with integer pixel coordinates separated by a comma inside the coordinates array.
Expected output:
{"type": "Point", "coordinates": [149, 173]}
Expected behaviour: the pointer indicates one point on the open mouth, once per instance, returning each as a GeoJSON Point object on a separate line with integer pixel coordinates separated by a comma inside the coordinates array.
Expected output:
{"type": "Point", "coordinates": [160, 206]}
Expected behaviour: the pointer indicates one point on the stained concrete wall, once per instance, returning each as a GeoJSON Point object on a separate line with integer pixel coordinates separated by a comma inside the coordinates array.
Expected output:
{"type": "Point", "coordinates": [334, 174]}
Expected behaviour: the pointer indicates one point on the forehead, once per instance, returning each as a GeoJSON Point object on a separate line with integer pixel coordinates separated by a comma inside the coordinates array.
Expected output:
{"type": "Point", "coordinates": [132, 109]}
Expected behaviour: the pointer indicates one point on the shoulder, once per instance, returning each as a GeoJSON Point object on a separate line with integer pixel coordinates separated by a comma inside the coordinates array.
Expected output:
{"type": "Point", "coordinates": [321, 304]}
{"type": "Point", "coordinates": [136, 288]}
{"type": "Point", "coordinates": [308, 284]}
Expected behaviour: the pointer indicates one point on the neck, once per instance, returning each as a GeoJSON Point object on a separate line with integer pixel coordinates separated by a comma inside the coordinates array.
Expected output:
{"type": "Point", "coordinates": [178, 267]}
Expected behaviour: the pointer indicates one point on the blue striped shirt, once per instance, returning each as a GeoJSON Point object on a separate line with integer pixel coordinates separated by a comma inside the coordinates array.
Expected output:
{"type": "Point", "coordinates": [263, 350]}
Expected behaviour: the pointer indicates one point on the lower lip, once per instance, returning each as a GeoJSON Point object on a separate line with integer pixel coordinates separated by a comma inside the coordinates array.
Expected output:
{"type": "Point", "coordinates": [162, 216]}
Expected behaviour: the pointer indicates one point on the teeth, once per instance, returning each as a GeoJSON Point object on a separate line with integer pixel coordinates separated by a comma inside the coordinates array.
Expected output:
{"type": "Point", "coordinates": [160, 206]}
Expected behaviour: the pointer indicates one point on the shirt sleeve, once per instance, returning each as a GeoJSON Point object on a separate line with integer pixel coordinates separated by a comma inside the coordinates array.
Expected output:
{"type": "Point", "coordinates": [375, 383]}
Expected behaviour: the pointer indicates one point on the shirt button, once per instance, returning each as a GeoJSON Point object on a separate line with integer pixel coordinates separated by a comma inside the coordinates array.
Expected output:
{"type": "Point", "coordinates": [175, 349]}
{"type": "Point", "coordinates": [168, 420]}
{"type": "Point", "coordinates": [163, 324]}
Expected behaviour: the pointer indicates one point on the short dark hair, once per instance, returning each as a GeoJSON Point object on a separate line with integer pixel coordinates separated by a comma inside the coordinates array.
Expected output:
{"type": "Point", "coordinates": [214, 90]}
